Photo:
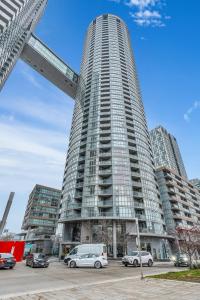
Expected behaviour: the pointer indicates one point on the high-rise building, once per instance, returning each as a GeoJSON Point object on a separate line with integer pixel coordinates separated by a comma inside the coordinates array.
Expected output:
{"type": "Point", "coordinates": [18, 19]}
{"type": "Point", "coordinates": [196, 182]}
{"type": "Point", "coordinates": [109, 177]}
{"type": "Point", "coordinates": [41, 217]}
{"type": "Point", "coordinates": [180, 199]}
{"type": "Point", "coordinates": [166, 151]}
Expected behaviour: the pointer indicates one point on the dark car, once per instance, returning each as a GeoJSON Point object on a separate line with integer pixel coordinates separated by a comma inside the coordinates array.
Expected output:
{"type": "Point", "coordinates": [37, 260]}
{"type": "Point", "coordinates": [180, 260]}
{"type": "Point", "coordinates": [7, 261]}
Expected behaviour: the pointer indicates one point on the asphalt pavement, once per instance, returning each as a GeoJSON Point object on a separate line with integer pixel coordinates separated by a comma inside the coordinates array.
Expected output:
{"type": "Point", "coordinates": [113, 282]}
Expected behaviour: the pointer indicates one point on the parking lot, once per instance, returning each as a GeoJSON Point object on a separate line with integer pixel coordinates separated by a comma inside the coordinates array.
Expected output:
{"type": "Point", "coordinates": [115, 281]}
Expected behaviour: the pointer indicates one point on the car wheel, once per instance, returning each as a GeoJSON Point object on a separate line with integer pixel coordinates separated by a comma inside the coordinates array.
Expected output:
{"type": "Point", "coordinates": [135, 263]}
{"type": "Point", "coordinates": [67, 261]}
{"type": "Point", "coordinates": [72, 264]}
{"type": "Point", "coordinates": [11, 267]}
{"type": "Point", "coordinates": [150, 263]}
{"type": "Point", "coordinates": [97, 265]}
{"type": "Point", "coordinates": [26, 263]}
{"type": "Point", "coordinates": [126, 265]}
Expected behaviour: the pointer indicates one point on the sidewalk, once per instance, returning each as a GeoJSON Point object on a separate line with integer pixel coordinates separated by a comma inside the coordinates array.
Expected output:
{"type": "Point", "coordinates": [147, 289]}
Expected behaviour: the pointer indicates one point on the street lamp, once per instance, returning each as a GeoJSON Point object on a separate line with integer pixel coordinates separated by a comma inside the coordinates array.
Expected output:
{"type": "Point", "coordinates": [139, 247]}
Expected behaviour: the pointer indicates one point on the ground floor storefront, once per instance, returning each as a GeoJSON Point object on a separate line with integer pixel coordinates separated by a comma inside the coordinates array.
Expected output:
{"type": "Point", "coordinates": [120, 238]}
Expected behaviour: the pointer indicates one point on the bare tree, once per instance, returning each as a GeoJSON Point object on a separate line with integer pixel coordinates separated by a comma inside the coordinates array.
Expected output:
{"type": "Point", "coordinates": [189, 241]}
{"type": "Point", "coordinates": [9, 236]}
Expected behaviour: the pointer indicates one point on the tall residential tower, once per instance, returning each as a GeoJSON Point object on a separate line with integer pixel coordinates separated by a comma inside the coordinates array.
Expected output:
{"type": "Point", "coordinates": [166, 151]}
{"type": "Point", "coordinates": [109, 177]}
{"type": "Point", "coordinates": [18, 19]}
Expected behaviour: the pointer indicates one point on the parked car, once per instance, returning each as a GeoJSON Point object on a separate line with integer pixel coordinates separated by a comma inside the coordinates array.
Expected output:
{"type": "Point", "coordinates": [37, 260]}
{"type": "Point", "coordinates": [134, 259]}
{"type": "Point", "coordinates": [180, 260]}
{"type": "Point", "coordinates": [7, 261]}
{"type": "Point", "coordinates": [89, 260]}
{"type": "Point", "coordinates": [99, 249]}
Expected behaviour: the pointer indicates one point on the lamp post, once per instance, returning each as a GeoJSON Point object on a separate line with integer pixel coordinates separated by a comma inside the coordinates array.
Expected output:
{"type": "Point", "coordinates": [139, 247]}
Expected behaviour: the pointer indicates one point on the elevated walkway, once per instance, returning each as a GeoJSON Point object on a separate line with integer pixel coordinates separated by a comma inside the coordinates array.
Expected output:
{"type": "Point", "coordinates": [42, 59]}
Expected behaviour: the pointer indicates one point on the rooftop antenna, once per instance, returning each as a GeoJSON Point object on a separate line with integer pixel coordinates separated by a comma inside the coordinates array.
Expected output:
{"type": "Point", "coordinates": [6, 212]}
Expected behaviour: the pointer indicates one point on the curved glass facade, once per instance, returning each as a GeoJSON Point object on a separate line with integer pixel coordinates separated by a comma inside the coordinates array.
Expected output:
{"type": "Point", "coordinates": [109, 173]}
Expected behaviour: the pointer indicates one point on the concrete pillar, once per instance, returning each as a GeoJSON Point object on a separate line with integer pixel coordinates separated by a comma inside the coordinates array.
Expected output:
{"type": "Point", "coordinates": [60, 250]}
{"type": "Point", "coordinates": [114, 240]}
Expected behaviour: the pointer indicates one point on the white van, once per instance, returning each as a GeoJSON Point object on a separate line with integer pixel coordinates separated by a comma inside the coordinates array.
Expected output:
{"type": "Point", "coordinates": [99, 249]}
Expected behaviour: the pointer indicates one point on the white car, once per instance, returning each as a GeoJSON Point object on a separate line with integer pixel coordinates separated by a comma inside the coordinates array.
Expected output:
{"type": "Point", "coordinates": [89, 260]}
{"type": "Point", "coordinates": [134, 259]}
{"type": "Point", "coordinates": [79, 250]}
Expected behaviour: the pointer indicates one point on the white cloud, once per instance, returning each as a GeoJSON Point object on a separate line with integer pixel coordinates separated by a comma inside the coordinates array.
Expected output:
{"type": "Point", "coordinates": [141, 4]}
{"type": "Point", "coordinates": [28, 155]}
{"type": "Point", "coordinates": [148, 18]}
{"type": "Point", "coordinates": [21, 138]}
{"type": "Point", "coordinates": [30, 77]}
{"type": "Point", "coordinates": [146, 12]}
{"type": "Point", "coordinates": [187, 115]}
{"type": "Point", "coordinates": [51, 113]}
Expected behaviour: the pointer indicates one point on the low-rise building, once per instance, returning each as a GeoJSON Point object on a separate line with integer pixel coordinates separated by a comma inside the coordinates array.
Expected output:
{"type": "Point", "coordinates": [41, 217]}
{"type": "Point", "coordinates": [180, 200]}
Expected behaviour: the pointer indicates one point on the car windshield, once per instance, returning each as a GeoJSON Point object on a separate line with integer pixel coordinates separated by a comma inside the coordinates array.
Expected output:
{"type": "Point", "coordinates": [6, 255]}
{"type": "Point", "coordinates": [40, 256]}
{"type": "Point", "coordinates": [182, 255]}
{"type": "Point", "coordinates": [134, 253]}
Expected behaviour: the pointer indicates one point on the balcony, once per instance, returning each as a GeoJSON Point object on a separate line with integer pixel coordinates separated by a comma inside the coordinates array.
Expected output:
{"type": "Point", "coordinates": [171, 191]}
{"type": "Point", "coordinates": [174, 206]}
{"type": "Point", "coordinates": [177, 216]}
{"type": "Point", "coordinates": [78, 195]}
{"type": "Point", "coordinates": [138, 204]}
{"type": "Point", "coordinates": [79, 185]}
{"type": "Point", "coordinates": [140, 216]}
{"type": "Point", "coordinates": [105, 182]}
{"type": "Point", "coordinates": [133, 156]}
{"type": "Point", "coordinates": [76, 206]}
{"type": "Point", "coordinates": [81, 158]}
{"type": "Point", "coordinates": [137, 194]}
{"type": "Point", "coordinates": [81, 167]}
{"type": "Point", "coordinates": [173, 199]}
{"type": "Point", "coordinates": [83, 143]}
{"type": "Point", "coordinates": [106, 138]}
{"type": "Point", "coordinates": [169, 183]}
{"type": "Point", "coordinates": [105, 126]}
{"type": "Point", "coordinates": [105, 192]}
{"type": "Point", "coordinates": [105, 214]}
{"type": "Point", "coordinates": [104, 120]}
{"type": "Point", "coordinates": [107, 203]}
{"type": "Point", "coordinates": [105, 172]}
{"type": "Point", "coordinates": [135, 174]}
{"type": "Point", "coordinates": [108, 145]}
{"type": "Point", "coordinates": [105, 131]}
{"type": "Point", "coordinates": [135, 165]}
{"type": "Point", "coordinates": [105, 154]}
{"type": "Point", "coordinates": [136, 184]}
{"type": "Point", "coordinates": [105, 162]}
{"type": "Point", "coordinates": [80, 175]}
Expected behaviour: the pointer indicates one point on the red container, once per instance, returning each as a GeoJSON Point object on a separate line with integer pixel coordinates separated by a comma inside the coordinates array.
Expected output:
{"type": "Point", "coordinates": [14, 247]}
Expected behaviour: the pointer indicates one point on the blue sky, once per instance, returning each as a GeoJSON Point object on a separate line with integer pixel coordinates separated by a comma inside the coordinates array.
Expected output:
{"type": "Point", "coordinates": [35, 116]}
